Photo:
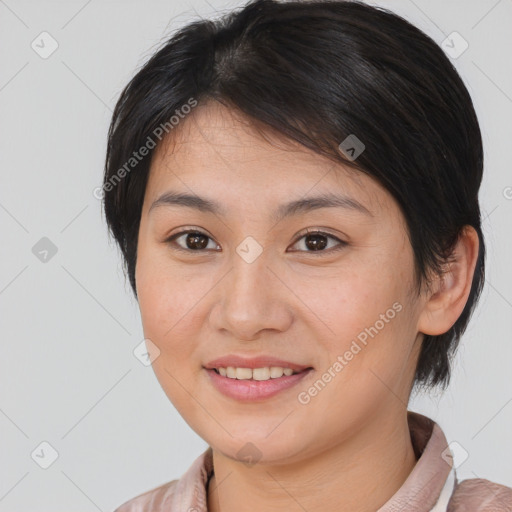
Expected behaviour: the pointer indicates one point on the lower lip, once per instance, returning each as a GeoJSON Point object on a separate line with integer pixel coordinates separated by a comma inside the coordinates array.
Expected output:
{"type": "Point", "coordinates": [254, 390]}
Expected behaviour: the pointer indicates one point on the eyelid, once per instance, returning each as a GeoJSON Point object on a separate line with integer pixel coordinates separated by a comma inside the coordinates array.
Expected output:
{"type": "Point", "coordinates": [314, 231]}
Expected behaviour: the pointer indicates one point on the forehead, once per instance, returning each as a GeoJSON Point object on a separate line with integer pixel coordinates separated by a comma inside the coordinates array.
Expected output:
{"type": "Point", "coordinates": [218, 148]}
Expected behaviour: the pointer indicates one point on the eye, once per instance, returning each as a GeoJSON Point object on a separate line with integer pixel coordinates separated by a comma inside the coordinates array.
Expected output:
{"type": "Point", "coordinates": [192, 240]}
{"type": "Point", "coordinates": [317, 241]}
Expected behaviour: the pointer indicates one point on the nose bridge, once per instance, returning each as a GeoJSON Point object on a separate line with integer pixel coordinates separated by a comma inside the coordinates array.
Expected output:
{"type": "Point", "coordinates": [247, 285]}
{"type": "Point", "coordinates": [249, 262]}
{"type": "Point", "coordinates": [250, 301]}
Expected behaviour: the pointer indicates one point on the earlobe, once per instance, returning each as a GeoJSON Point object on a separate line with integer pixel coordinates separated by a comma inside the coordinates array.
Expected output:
{"type": "Point", "coordinates": [450, 291]}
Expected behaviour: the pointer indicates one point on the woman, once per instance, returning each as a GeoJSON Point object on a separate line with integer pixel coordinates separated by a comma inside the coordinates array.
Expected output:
{"type": "Point", "coordinates": [294, 189]}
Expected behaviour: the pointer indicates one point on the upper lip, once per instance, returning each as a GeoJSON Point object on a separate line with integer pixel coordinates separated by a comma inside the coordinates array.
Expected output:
{"type": "Point", "coordinates": [253, 362]}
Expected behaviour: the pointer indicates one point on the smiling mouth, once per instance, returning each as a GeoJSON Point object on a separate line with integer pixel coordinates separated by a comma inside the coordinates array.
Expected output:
{"type": "Point", "coordinates": [258, 374]}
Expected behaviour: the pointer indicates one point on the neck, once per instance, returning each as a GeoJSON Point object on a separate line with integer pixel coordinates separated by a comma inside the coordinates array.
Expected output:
{"type": "Point", "coordinates": [359, 475]}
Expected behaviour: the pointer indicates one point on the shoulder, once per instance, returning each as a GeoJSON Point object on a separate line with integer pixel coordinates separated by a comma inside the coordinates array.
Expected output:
{"type": "Point", "coordinates": [480, 495]}
{"type": "Point", "coordinates": [154, 500]}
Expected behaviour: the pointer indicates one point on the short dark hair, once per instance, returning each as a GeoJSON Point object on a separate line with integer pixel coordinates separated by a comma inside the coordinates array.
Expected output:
{"type": "Point", "coordinates": [317, 72]}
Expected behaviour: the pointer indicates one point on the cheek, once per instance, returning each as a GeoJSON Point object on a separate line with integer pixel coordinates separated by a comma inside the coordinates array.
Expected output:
{"type": "Point", "coordinates": [169, 302]}
{"type": "Point", "coordinates": [363, 316]}
{"type": "Point", "coordinates": [347, 302]}
{"type": "Point", "coordinates": [170, 306]}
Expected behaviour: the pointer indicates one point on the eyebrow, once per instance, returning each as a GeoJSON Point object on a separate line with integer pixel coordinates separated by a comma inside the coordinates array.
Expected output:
{"type": "Point", "coordinates": [299, 206]}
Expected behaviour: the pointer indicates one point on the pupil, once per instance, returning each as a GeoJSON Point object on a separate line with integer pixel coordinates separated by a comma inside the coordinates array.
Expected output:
{"type": "Point", "coordinates": [316, 242]}
{"type": "Point", "coordinates": [196, 241]}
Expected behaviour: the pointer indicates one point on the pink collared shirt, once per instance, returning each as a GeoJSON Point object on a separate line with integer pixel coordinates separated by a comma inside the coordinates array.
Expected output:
{"type": "Point", "coordinates": [432, 485]}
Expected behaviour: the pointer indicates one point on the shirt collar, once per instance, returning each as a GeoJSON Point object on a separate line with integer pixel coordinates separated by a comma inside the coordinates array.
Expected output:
{"type": "Point", "coordinates": [419, 493]}
{"type": "Point", "coordinates": [422, 488]}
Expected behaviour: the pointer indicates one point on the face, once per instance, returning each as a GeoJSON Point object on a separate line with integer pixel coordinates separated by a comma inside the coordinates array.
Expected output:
{"type": "Point", "coordinates": [323, 289]}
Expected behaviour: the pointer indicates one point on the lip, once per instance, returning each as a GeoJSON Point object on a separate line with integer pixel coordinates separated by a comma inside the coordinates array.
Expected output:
{"type": "Point", "coordinates": [254, 390]}
{"type": "Point", "coordinates": [253, 362]}
{"type": "Point", "coordinates": [248, 390]}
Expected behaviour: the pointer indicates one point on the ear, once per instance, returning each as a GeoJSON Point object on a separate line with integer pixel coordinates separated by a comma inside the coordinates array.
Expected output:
{"type": "Point", "coordinates": [450, 291]}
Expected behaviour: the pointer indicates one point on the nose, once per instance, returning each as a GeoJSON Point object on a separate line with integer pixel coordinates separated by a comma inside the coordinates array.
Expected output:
{"type": "Point", "coordinates": [251, 299]}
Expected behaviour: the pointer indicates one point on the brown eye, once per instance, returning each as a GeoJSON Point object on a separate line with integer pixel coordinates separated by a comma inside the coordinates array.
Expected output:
{"type": "Point", "coordinates": [318, 241]}
{"type": "Point", "coordinates": [190, 241]}
{"type": "Point", "coordinates": [315, 242]}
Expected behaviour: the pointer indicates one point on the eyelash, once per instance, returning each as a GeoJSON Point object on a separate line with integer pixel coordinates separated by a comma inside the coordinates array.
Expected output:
{"type": "Point", "coordinates": [341, 244]}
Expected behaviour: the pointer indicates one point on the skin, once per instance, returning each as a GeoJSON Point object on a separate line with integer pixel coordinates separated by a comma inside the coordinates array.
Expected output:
{"type": "Point", "coordinates": [349, 448]}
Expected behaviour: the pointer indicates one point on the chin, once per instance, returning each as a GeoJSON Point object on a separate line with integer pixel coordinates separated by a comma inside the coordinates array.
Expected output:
{"type": "Point", "coordinates": [258, 448]}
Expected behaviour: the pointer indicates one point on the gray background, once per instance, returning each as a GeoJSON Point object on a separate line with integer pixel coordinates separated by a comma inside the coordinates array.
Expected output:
{"type": "Point", "coordinates": [70, 324]}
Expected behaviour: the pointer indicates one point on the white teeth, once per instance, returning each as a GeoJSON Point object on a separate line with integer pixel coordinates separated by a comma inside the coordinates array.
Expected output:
{"type": "Point", "coordinates": [276, 372]}
{"type": "Point", "coordinates": [266, 373]}
{"type": "Point", "coordinates": [243, 373]}
{"type": "Point", "coordinates": [261, 373]}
